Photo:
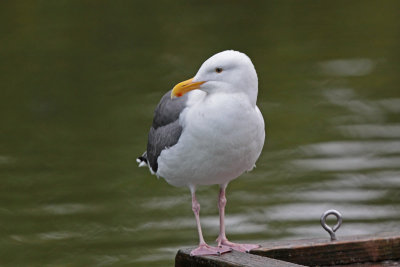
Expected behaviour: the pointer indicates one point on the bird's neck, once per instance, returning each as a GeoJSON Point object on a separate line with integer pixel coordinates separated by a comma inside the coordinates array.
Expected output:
{"type": "Point", "coordinates": [253, 97]}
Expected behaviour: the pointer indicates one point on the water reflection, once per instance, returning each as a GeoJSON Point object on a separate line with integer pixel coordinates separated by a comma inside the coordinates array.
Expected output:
{"type": "Point", "coordinates": [347, 163]}
{"type": "Point", "coordinates": [308, 211]}
{"type": "Point", "coordinates": [381, 179]}
{"type": "Point", "coordinates": [67, 208]}
{"type": "Point", "coordinates": [346, 194]}
{"type": "Point", "coordinates": [347, 67]}
{"type": "Point", "coordinates": [237, 224]}
{"type": "Point", "coordinates": [345, 230]}
{"type": "Point", "coordinates": [371, 130]}
{"type": "Point", "coordinates": [364, 110]}
{"type": "Point", "coordinates": [351, 148]}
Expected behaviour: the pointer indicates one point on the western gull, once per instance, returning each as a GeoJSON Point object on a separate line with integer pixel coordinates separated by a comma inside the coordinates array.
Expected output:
{"type": "Point", "coordinates": [208, 136]}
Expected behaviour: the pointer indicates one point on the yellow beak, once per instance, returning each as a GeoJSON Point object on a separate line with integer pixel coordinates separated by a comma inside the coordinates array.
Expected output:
{"type": "Point", "coordinates": [183, 87]}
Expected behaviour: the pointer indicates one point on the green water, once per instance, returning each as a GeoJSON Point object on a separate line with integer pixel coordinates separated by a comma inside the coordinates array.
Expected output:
{"type": "Point", "coordinates": [79, 81]}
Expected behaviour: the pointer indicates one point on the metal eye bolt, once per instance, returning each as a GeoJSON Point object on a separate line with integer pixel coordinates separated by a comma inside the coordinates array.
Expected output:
{"type": "Point", "coordinates": [330, 230]}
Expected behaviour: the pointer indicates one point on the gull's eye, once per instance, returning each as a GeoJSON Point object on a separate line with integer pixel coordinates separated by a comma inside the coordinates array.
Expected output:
{"type": "Point", "coordinates": [218, 70]}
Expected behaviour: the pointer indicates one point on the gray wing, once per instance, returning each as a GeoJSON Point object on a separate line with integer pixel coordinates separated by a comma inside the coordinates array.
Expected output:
{"type": "Point", "coordinates": [166, 130]}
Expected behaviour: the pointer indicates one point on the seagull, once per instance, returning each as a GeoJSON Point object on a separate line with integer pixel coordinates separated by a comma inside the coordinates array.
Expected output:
{"type": "Point", "coordinates": [208, 130]}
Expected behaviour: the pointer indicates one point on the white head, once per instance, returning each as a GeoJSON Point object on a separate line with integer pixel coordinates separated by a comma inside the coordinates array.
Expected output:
{"type": "Point", "coordinates": [227, 71]}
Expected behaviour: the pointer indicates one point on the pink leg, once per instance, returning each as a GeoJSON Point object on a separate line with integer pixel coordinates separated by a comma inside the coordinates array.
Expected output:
{"type": "Point", "coordinates": [203, 248]}
{"type": "Point", "coordinates": [222, 240]}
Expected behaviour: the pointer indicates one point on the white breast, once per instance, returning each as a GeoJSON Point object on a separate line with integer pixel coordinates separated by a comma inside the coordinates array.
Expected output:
{"type": "Point", "coordinates": [222, 137]}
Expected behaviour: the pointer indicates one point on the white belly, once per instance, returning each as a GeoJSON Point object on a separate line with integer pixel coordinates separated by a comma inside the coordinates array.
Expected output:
{"type": "Point", "coordinates": [222, 137]}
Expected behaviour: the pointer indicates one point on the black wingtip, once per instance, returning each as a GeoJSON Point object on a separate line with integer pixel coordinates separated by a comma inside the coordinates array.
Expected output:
{"type": "Point", "coordinates": [142, 158]}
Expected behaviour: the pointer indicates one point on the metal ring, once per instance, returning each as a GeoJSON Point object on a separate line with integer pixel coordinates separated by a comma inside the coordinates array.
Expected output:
{"type": "Point", "coordinates": [330, 230]}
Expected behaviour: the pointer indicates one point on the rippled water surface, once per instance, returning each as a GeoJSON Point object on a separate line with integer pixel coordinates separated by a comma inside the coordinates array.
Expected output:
{"type": "Point", "coordinates": [80, 79]}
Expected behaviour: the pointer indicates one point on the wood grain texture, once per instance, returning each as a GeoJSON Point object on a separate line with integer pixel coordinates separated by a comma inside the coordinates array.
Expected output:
{"type": "Point", "coordinates": [346, 250]}
{"type": "Point", "coordinates": [230, 259]}
{"type": "Point", "coordinates": [311, 252]}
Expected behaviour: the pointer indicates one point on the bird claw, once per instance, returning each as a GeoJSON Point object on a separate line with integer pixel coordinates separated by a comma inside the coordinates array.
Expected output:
{"type": "Point", "coordinates": [208, 250]}
{"type": "Point", "coordinates": [239, 247]}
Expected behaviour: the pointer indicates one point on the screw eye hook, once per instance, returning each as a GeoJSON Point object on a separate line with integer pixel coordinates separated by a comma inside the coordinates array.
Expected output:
{"type": "Point", "coordinates": [329, 229]}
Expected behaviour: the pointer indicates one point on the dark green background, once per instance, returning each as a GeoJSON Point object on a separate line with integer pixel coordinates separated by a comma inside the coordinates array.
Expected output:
{"type": "Point", "coordinates": [79, 81]}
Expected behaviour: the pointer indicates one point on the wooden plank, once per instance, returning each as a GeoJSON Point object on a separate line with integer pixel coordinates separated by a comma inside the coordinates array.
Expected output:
{"type": "Point", "coordinates": [230, 259]}
{"type": "Point", "coordinates": [346, 250]}
{"type": "Point", "coordinates": [372, 264]}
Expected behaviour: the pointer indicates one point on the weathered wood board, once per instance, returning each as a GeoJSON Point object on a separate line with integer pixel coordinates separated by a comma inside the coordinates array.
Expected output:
{"type": "Point", "coordinates": [346, 250]}
{"type": "Point", "coordinates": [311, 252]}
{"type": "Point", "coordinates": [230, 259]}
